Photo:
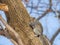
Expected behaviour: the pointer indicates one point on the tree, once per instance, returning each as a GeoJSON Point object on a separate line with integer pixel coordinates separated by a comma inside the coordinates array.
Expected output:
{"type": "Point", "coordinates": [19, 19]}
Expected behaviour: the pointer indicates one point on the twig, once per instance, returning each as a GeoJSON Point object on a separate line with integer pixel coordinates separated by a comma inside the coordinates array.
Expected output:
{"type": "Point", "coordinates": [54, 36]}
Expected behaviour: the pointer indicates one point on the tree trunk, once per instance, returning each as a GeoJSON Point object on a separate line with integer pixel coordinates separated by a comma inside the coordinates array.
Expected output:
{"type": "Point", "coordinates": [19, 19]}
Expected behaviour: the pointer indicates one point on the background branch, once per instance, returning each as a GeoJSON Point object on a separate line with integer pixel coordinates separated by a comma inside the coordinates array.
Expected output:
{"type": "Point", "coordinates": [54, 36]}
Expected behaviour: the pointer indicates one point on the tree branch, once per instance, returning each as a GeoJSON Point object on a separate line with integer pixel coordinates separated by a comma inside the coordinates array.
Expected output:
{"type": "Point", "coordinates": [9, 28]}
{"type": "Point", "coordinates": [54, 36]}
{"type": "Point", "coordinates": [47, 11]}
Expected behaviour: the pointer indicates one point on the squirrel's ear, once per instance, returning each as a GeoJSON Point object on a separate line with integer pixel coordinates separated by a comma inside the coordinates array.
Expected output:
{"type": "Point", "coordinates": [3, 7]}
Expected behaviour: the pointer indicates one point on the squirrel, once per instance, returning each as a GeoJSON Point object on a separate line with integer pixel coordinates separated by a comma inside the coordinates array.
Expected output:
{"type": "Point", "coordinates": [36, 26]}
{"type": "Point", "coordinates": [38, 30]}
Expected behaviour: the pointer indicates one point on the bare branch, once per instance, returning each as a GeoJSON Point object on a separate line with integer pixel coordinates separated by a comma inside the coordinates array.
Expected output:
{"type": "Point", "coordinates": [43, 14]}
{"type": "Point", "coordinates": [54, 36]}
{"type": "Point", "coordinates": [14, 42]}
{"type": "Point", "coordinates": [9, 28]}
{"type": "Point", "coordinates": [50, 4]}
{"type": "Point", "coordinates": [49, 10]}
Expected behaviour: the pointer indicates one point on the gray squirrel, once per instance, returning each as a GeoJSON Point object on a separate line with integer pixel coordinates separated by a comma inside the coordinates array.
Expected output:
{"type": "Point", "coordinates": [38, 30]}
{"type": "Point", "coordinates": [36, 26]}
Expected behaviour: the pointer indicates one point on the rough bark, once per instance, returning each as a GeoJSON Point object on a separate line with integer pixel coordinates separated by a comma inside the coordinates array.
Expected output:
{"type": "Point", "coordinates": [19, 19]}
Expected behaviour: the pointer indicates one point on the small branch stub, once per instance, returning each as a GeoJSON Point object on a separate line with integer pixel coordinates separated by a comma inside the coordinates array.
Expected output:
{"type": "Point", "coordinates": [3, 7]}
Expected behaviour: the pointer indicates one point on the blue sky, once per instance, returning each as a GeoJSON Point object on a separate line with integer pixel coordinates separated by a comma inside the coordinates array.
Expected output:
{"type": "Point", "coordinates": [5, 41]}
